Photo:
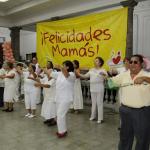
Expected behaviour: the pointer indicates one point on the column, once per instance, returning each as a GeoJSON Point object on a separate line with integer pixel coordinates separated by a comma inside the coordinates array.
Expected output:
{"type": "Point", "coordinates": [130, 4]}
{"type": "Point", "coordinates": [15, 41]}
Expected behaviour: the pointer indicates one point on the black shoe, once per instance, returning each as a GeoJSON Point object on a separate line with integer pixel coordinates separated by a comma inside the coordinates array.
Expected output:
{"type": "Point", "coordinates": [47, 121]}
{"type": "Point", "coordinates": [10, 110]}
{"type": "Point", "coordinates": [53, 123]}
{"type": "Point", "coordinates": [6, 109]}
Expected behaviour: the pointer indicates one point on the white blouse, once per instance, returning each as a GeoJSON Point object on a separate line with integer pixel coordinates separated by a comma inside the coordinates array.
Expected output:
{"type": "Point", "coordinates": [96, 79]}
{"type": "Point", "coordinates": [49, 93]}
{"type": "Point", "coordinates": [10, 81]}
{"type": "Point", "coordinates": [64, 86]}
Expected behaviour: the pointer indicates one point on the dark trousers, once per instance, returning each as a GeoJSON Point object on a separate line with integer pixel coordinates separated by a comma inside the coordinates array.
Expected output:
{"type": "Point", "coordinates": [114, 93]}
{"type": "Point", "coordinates": [134, 123]}
{"type": "Point", "coordinates": [1, 96]}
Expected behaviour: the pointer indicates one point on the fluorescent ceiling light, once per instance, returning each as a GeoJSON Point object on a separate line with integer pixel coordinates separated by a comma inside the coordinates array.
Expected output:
{"type": "Point", "coordinates": [3, 0]}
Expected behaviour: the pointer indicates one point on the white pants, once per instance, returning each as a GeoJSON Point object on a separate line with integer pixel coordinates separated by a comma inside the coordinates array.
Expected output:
{"type": "Point", "coordinates": [97, 104]}
{"type": "Point", "coordinates": [62, 109]}
{"type": "Point", "coordinates": [30, 100]}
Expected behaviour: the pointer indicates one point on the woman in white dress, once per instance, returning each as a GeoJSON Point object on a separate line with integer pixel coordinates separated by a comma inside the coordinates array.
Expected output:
{"type": "Point", "coordinates": [48, 110]}
{"type": "Point", "coordinates": [78, 98]}
{"type": "Point", "coordinates": [64, 95]}
{"type": "Point", "coordinates": [38, 71]}
{"type": "Point", "coordinates": [96, 76]}
{"type": "Point", "coordinates": [10, 87]}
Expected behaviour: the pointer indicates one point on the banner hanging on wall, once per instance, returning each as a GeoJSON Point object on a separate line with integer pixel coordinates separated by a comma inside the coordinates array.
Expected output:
{"type": "Point", "coordinates": [84, 38]}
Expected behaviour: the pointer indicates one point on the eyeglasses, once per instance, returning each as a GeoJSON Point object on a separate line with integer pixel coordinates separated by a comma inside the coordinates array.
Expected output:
{"type": "Point", "coordinates": [134, 62]}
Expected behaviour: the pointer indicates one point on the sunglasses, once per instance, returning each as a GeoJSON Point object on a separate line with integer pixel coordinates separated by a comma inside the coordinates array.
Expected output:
{"type": "Point", "coordinates": [134, 62]}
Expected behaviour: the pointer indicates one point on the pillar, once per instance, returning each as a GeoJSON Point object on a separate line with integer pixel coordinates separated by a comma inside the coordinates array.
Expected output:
{"type": "Point", "coordinates": [130, 4]}
{"type": "Point", "coordinates": [15, 41]}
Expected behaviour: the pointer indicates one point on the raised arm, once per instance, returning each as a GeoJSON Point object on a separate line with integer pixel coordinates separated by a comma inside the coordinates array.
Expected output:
{"type": "Point", "coordinates": [142, 79]}
{"type": "Point", "coordinates": [38, 84]}
{"type": "Point", "coordinates": [82, 76]}
{"type": "Point", "coordinates": [11, 76]}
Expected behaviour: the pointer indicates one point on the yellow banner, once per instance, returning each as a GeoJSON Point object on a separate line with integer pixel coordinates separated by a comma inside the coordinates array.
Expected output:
{"type": "Point", "coordinates": [84, 38]}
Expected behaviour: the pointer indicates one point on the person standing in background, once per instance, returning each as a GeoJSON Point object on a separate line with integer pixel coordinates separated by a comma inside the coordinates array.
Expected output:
{"type": "Point", "coordinates": [18, 81]}
{"type": "Point", "coordinates": [38, 72]}
{"type": "Point", "coordinates": [78, 98]}
{"type": "Point", "coordinates": [30, 91]}
{"type": "Point", "coordinates": [2, 74]}
{"type": "Point", "coordinates": [48, 110]}
{"type": "Point", "coordinates": [96, 88]}
{"type": "Point", "coordinates": [10, 87]}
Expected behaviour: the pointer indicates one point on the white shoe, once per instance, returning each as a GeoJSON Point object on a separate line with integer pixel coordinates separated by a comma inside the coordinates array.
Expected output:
{"type": "Point", "coordinates": [99, 121]}
{"type": "Point", "coordinates": [27, 115]}
{"type": "Point", "coordinates": [91, 119]}
{"type": "Point", "coordinates": [31, 116]}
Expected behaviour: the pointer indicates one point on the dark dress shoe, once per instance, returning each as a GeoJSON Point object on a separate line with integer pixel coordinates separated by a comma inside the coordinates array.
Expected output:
{"type": "Point", "coordinates": [52, 123]}
{"type": "Point", "coordinates": [47, 121]}
{"type": "Point", "coordinates": [10, 110]}
{"type": "Point", "coordinates": [5, 109]}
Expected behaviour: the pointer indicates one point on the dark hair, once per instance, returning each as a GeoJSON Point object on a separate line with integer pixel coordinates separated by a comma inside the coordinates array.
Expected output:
{"type": "Point", "coordinates": [51, 64]}
{"type": "Point", "coordinates": [69, 64]}
{"type": "Point", "coordinates": [140, 57]}
{"type": "Point", "coordinates": [1, 65]}
{"type": "Point", "coordinates": [10, 65]}
{"type": "Point", "coordinates": [101, 61]}
{"type": "Point", "coordinates": [20, 64]}
{"type": "Point", "coordinates": [34, 58]}
{"type": "Point", "coordinates": [76, 62]}
{"type": "Point", "coordinates": [33, 67]}
{"type": "Point", "coordinates": [126, 59]}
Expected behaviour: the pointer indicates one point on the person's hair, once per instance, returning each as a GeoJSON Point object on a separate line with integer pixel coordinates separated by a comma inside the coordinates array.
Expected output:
{"type": "Point", "coordinates": [140, 57]}
{"type": "Point", "coordinates": [69, 64]}
{"type": "Point", "coordinates": [51, 64]}
{"type": "Point", "coordinates": [1, 65]}
{"type": "Point", "coordinates": [76, 62]}
{"type": "Point", "coordinates": [34, 58]}
{"type": "Point", "coordinates": [33, 67]}
{"type": "Point", "coordinates": [126, 59]}
{"type": "Point", "coordinates": [101, 61]}
{"type": "Point", "coordinates": [10, 65]}
{"type": "Point", "coordinates": [20, 64]}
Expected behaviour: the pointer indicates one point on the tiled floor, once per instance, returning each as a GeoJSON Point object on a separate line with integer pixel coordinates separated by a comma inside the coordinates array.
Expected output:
{"type": "Point", "coordinates": [20, 133]}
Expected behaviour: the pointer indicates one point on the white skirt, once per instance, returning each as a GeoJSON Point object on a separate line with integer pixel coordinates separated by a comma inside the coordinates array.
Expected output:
{"type": "Point", "coordinates": [48, 109]}
{"type": "Point", "coordinates": [78, 98]}
{"type": "Point", "coordinates": [9, 93]}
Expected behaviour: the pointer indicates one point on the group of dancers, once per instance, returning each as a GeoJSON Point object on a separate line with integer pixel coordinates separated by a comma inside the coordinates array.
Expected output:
{"type": "Point", "coordinates": [61, 90]}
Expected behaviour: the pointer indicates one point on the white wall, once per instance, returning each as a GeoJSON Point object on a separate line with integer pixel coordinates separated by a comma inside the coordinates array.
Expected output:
{"type": "Point", "coordinates": [27, 43]}
{"type": "Point", "coordinates": [141, 26]}
{"type": "Point", "coordinates": [5, 32]}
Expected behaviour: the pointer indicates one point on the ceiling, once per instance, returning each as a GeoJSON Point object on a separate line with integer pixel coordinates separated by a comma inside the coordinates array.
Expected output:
{"type": "Point", "coordinates": [28, 12]}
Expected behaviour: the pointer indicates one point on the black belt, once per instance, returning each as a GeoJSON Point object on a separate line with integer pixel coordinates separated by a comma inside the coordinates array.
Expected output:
{"type": "Point", "coordinates": [135, 108]}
